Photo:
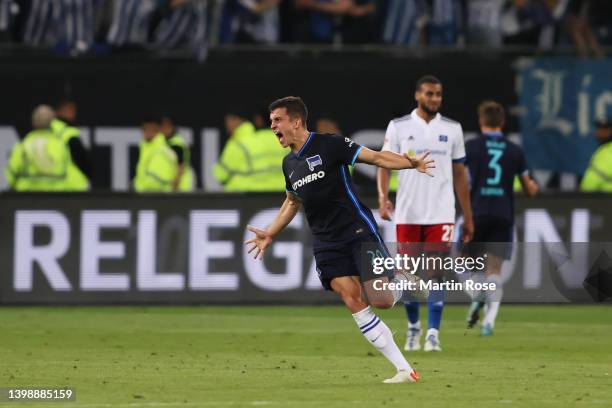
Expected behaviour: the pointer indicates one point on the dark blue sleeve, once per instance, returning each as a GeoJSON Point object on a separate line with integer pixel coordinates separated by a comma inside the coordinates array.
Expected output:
{"type": "Point", "coordinates": [469, 153]}
{"type": "Point", "coordinates": [288, 186]}
{"type": "Point", "coordinates": [521, 163]}
{"type": "Point", "coordinates": [342, 149]}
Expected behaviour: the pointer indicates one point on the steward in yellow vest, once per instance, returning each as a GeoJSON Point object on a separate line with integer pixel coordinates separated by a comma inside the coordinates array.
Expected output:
{"type": "Point", "coordinates": [185, 178]}
{"type": "Point", "coordinates": [40, 161]}
{"type": "Point", "coordinates": [79, 169]}
{"type": "Point", "coordinates": [76, 178]}
{"type": "Point", "coordinates": [598, 177]}
{"type": "Point", "coordinates": [157, 163]}
{"type": "Point", "coordinates": [251, 159]}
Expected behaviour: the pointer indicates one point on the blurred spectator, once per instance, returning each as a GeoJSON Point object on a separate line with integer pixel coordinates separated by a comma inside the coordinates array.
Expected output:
{"type": "Point", "coordinates": [185, 179]}
{"type": "Point", "coordinates": [251, 160]}
{"type": "Point", "coordinates": [361, 24]}
{"type": "Point", "coordinates": [66, 25]}
{"type": "Point", "coordinates": [80, 26]}
{"type": "Point", "coordinates": [157, 166]}
{"type": "Point", "coordinates": [250, 21]}
{"type": "Point", "coordinates": [580, 29]}
{"type": "Point", "coordinates": [405, 22]}
{"type": "Point", "coordinates": [5, 14]}
{"type": "Point", "coordinates": [552, 13]}
{"type": "Point", "coordinates": [598, 177]}
{"type": "Point", "coordinates": [320, 20]}
{"type": "Point", "coordinates": [533, 22]}
{"type": "Point", "coordinates": [43, 22]}
{"type": "Point", "coordinates": [181, 22]}
{"type": "Point", "coordinates": [445, 21]}
{"type": "Point", "coordinates": [40, 161]}
{"type": "Point", "coordinates": [484, 22]}
{"type": "Point", "coordinates": [77, 25]}
{"type": "Point", "coordinates": [9, 9]}
{"type": "Point", "coordinates": [79, 169]}
{"type": "Point", "coordinates": [130, 22]}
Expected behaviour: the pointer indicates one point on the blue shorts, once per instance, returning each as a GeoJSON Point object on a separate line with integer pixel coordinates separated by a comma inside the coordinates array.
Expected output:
{"type": "Point", "coordinates": [352, 258]}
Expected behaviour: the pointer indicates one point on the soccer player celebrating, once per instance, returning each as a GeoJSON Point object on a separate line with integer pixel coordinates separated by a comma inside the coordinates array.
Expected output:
{"type": "Point", "coordinates": [317, 177]}
{"type": "Point", "coordinates": [425, 209]}
{"type": "Point", "coordinates": [493, 162]}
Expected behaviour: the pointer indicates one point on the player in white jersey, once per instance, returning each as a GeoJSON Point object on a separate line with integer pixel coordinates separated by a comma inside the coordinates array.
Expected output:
{"type": "Point", "coordinates": [428, 222]}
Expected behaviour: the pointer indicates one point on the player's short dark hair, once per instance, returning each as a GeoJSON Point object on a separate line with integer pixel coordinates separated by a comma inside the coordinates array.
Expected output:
{"type": "Point", "coordinates": [492, 114]}
{"type": "Point", "coordinates": [295, 107]}
{"type": "Point", "coordinates": [427, 79]}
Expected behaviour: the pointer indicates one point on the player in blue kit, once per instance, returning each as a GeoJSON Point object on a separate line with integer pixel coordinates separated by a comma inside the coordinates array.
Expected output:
{"type": "Point", "coordinates": [317, 177]}
{"type": "Point", "coordinates": [493, 163]}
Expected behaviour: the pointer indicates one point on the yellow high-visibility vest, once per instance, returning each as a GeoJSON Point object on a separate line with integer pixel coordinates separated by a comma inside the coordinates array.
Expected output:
{"type": "Point", "coordinates": [75, 180]}
{"type": "Point", "coordinates": [251, 161]}
{"type": "Point", "coordinates": [157, 166]}
{"type": "Point", "coordinates": [598, 177]}
{"type": "Point", "coordinates": [187, 182]}
{"type": "Point", "coordinates": [39, 163]}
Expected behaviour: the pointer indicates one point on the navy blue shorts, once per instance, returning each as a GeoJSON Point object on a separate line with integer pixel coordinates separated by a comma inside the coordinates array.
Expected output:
{"type": "Point", "coordinates": [492, 235]}
{"type": "Point", "coordinates": [354, 258]}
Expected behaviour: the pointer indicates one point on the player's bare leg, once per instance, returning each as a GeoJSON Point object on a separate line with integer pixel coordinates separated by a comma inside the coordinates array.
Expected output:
{"type": "Point", "coordinates": [372, 327]}
{"type": "Point", "coordinates": [387, 298]}
{"type": "Point", "coordinates": [493, 298]}
{"type": "Point", "coordinates": [380, 299]}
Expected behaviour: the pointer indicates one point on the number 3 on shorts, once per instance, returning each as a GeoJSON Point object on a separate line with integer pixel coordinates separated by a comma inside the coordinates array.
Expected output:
{"type": "Point", "coordinates": [447, 233]}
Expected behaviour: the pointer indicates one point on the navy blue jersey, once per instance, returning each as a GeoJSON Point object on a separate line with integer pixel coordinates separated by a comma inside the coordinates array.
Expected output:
{"type": "Point", "coordinates": [493, 161]}
{"type": "Point", "coordinates": [318, 174]}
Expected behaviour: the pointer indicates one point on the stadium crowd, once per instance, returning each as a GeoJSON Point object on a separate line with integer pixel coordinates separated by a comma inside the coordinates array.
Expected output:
{"type": "Point", "coordinates": [77, 27]}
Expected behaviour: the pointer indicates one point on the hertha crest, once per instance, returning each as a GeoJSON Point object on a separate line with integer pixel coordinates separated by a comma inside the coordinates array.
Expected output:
{"type": "Point", "coordinates": [314, 161]}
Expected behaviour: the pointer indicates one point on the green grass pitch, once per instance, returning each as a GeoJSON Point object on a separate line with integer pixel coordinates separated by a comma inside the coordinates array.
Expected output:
{"type": "Point", "coordinates": [540, 356]}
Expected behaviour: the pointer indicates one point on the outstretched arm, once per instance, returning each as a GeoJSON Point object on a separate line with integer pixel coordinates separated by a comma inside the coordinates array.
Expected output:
{"type": "Point", "coordinates": [394, 161]}
{"type": "Point", "coordinates": [263, 238]}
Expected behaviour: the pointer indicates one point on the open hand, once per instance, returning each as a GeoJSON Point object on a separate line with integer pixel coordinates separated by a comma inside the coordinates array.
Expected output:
{"type": "Point", "coordinates": [422, 163]}
{"type": "Point", "coordinates": [385, 207]}
{"type": "Point", "coordinates": [260, 242]}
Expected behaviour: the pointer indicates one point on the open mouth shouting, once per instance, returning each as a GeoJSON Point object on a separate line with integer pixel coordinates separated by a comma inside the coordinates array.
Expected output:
{"type": "Point", "coordinates": [280, 137]}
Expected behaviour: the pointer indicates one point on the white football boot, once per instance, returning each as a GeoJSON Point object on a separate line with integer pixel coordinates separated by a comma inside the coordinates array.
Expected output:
{"type": "Point", "coordinates": [432, 342]}
{"type": "Point", "coordinates": [403, 377]}
{"type": "Point", "coordinates": [413, 339]}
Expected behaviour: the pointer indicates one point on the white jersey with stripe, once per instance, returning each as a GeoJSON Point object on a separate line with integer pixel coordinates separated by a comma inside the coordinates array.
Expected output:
{"type": "Point", "coordinates": [421, 199]}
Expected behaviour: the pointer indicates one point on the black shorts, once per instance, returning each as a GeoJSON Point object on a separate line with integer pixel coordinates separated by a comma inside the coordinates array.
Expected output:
{"type": "Point", "coordinates": [353, 258]}
{"type": "Point", "coordinates": [492, 235]}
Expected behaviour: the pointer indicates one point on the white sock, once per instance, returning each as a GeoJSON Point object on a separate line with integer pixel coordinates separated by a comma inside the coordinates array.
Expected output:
{"type": "Point", "coordinates": [493, 300]}
{"type": "Point", "coordinates": [416, 325]}
{"type": "Point", "coordinates": [377, 333]}
{"type": "Point", "coordinates": [478, 295]}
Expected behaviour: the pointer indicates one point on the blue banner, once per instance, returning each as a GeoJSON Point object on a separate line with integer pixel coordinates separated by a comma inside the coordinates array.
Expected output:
{"type": "Point", "coordinates": [560, 100]}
